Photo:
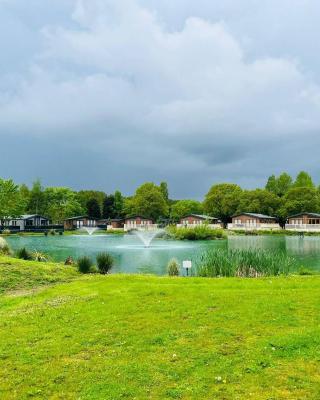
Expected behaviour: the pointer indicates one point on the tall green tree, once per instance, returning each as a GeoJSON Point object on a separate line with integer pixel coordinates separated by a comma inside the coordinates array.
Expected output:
{"type": "Point", "coordinates": [184, 207]}
{"type": "Point", "coordinates": [118, 204]}
{"type": "Point", "coordinates": [61, 203]}
{"type": "Point", "coordinates": [303, 179]}
{"type": "Point", "coordinates": [93, 208]}
{"type": "Point", "coordinates": [108, 207]}
{"type": "Point", "coordinates": [11, 201]}
{"type": "Point", "coordinates": [37, 202]}
{"type": "Point", "coordinates": [165, 191]}
{"type": "Point", "coordinates": [300, 199]}
{"type": "Point", "coordinates": [280, 185]}
{"type": "Point", "coordinates": [259, 201]}
{"type": "Point", "coordinates": [83, 196]}
{"type": "Point", "coordinates": [149, 202]}
{"type": "Point", "coordinates": [222, 201]}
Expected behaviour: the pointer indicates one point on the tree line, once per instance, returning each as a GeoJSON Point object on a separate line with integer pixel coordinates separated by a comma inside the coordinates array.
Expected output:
{"type": "Point", "coordinates": [282, 196]}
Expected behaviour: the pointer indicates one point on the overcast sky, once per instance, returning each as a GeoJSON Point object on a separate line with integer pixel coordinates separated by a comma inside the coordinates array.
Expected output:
{"type": "Point", "coordinates": [108, 94]}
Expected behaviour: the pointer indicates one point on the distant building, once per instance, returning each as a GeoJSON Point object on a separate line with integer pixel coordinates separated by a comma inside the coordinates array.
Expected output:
{"type": "Point", "coordinates": [304, 222]}
{"type": "Point", "coordinates": [138, 221]}
{"type": "Point", "coordinates": [253, 221]}
{"type": "Point", "coordinates": [193, 220]}
{"type": "Point", "coordinates": [79, 222]}
{"type": "Point", "coordinates": [28, 222]}
{"type": "Point", "coordinates": [115, 223]}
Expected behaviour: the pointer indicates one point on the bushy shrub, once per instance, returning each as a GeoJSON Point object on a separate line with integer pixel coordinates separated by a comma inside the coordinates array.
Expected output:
{"type": "Point", "coordinates": [52, 232]}
{"type": "Point", "coordinates": [24, 254]}
{"type": "Point", "coordinates": [173, 267]}
{"type": "Point", "coordinates": [4, 247]}
{"type": "Point", "coordinates": [200, 232]}
{"type": "Point", "coordinates": [244, 263]}
{"type": "Point", "coordinates": [6, 232]}
{"type": "Point", "coordinates": [104, 263]}
{"type": "Point", "coordinates": [84, 264]}
{"type": "Point", "coordinates": [38, 256]}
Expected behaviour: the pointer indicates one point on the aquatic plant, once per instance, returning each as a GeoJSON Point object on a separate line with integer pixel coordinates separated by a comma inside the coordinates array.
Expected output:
{"type": "Point", "coordinates": [24, 254]}
{"type": "Point", "coordinates": [84, 264]}
{"type": "Point", "coordinates": [243, 263]}
{"type": "Point", "coordinates": [173, 267]}
{"type": "Point", "coordinates": [104, 263]}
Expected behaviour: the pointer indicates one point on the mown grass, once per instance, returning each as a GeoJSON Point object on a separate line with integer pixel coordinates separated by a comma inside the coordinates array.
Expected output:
{"type": "Point", "coordinates": [141, 337]}
{"type": "Point", "coordinates": [18, 274]}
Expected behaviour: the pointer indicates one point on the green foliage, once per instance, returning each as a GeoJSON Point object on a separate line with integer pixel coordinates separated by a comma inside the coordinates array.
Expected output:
{"type": "Point", "coordinates": [39, 256]}
{"type": "Point", "coordinates": [173, 267]}
{"type": "Point", "coordinates": [84, 265]}
{"type": "Point", "coordinates": [105, 263]}
{"type": "Point", "coordinates": [37, 202]}
{"type": "Point", "coordinates": [118, 204]}
{"type": "Point", "coordinates": [149, 202]}
{"type": "Point", "coordinates": [4, 247]}
{"type": "Point", "coordinates": [164, 190]}
{"type": "Point", "coordinates": [222, 201]}
{"type": "Point", "coordinates": [182, 208]}
{"type": "Point", "coordinates": [24, 254]}
{"type": "Point", "coordinates": [93, 208]}
{"type": "Point", "coordinates": [108, 207]}
{"type": "Point", "coordinates": [83, 196]}
{"type": "Point", "coordinates": [243, 263]}
{"type": "Point", "coordinates": [303, 180]}
{"type": "Point", "coordinates": [200, 232]}
{"type": "Point", "coordinates": [259, 201]}
{"type": "Point", "coordinates": [61, 203]}
{"type": "Point", "coordinates": [6, 232]}
{"type": "Point", "coordinates": [300, 199]}
{"type": "Point", "coordinates": [11, 202]}
{"type": "Point", "coordinates": [279, 186]}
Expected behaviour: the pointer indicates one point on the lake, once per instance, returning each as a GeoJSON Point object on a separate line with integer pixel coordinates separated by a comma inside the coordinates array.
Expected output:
{"type": "Point", "coordinates": [131, 257]}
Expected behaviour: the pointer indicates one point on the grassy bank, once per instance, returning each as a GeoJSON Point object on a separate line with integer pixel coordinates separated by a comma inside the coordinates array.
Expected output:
{"type": "Point", "coordinates": [23, 275]}
{"type": "Point", "coordinates": [139, 337]}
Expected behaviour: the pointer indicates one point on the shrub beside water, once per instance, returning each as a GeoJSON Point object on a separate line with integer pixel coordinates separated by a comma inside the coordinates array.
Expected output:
{"type": "Point", "coordinates": [24, 254]}
{"type": "Point", "coordinates": [173, 267]}
{"type": "Point", "coordinates": [104, 263]}
{"type": "Point", "coordinates": [200, 232]}
{"type": "Point", "coordinates": [84, 264]}
{"type": "Point", "coordinates": [4, 247]}
{"type": "Point", "coordinates": [243, 263]}
{"type": "Point", "coordinates": [38, 256]}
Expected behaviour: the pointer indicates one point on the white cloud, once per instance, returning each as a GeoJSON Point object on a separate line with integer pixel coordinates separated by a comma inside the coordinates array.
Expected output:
{"type": "Point", "coordinates": [120, 74]}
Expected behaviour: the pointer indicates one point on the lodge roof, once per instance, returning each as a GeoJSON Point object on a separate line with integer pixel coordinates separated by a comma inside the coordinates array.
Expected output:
{"type": "Point", "coordinates": [80, 217]}
{"type": "Point", "coordinates": [315, 215]}
{"type": "Point", "coordinates": [201, 216]}
{"type": "Point", "coordinates": [28, 216]}
{"type": "Point", "coordinates": [254, 215]}
{"type": "Point", "coordinates": [138, 216]}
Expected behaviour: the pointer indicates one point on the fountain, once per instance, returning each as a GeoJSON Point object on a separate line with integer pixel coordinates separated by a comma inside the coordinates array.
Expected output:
{"type": "Point", "coordinates": [147, 236]}
{"type": "Point", "coordinates": [90, 230]}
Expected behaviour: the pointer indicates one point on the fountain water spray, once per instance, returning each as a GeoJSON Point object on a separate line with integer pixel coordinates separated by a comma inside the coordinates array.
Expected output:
{"type": "Point", "coordinates": [90, 230]}
{"type": "Point", "coordinates": [147, 236]}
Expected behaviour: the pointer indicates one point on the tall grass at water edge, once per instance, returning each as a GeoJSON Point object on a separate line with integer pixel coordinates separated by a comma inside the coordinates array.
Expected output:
{"type": "Point", "coordinates": [244, 263]}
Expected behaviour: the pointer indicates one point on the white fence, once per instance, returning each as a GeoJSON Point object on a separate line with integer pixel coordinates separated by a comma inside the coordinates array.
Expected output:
{"type": "Point", "coordinates": [303, 227]}
{"type": "Point", "coordinates": [145, 227]}
{"type": "Point", "coordinates": [254, 227]}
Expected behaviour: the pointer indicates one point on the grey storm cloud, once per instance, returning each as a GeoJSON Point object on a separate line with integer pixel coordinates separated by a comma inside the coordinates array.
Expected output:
{"type": "Point", "coordinates": [107, 94]}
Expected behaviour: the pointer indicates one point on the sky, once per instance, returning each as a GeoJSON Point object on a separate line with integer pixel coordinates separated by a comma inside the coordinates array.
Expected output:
{"type": "Point", "coordinates": [108, 94]}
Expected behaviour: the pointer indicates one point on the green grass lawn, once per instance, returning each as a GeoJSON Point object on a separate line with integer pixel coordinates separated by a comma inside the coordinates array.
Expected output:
{"type": "Point", "coordinates": [141, 337]}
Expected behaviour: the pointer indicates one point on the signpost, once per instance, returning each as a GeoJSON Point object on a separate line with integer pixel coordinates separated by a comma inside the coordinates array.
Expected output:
{"type": "Point", "coordinates": [187, 264]}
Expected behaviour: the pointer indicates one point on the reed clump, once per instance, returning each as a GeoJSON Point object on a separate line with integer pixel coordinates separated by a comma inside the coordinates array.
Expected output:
{"type": "Point", "coordinates": [244, 263]}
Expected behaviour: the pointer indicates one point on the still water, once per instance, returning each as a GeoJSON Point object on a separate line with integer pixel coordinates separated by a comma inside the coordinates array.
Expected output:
{"type": "Point", "coordinates": [131, 257]}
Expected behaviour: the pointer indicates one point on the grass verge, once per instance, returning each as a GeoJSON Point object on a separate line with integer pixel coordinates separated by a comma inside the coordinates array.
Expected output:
{"type": "Point", "coordinates": [141, 337]}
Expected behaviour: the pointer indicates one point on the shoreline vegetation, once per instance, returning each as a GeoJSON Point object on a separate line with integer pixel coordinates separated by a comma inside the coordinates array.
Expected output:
{"type": "Point", "coordinates": [129, 336]}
